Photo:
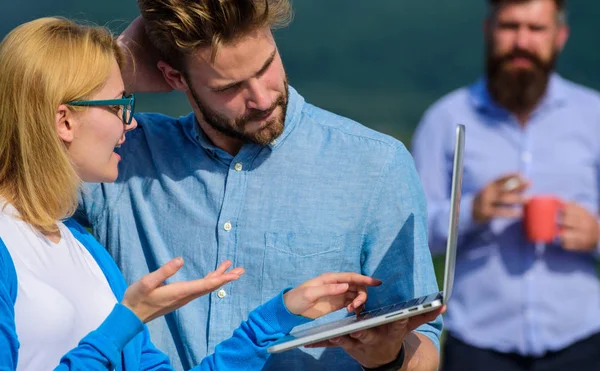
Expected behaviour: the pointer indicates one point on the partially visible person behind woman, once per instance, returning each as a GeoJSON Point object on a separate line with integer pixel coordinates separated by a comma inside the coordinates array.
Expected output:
{"type": "Point", "coordinates": [63, 302]}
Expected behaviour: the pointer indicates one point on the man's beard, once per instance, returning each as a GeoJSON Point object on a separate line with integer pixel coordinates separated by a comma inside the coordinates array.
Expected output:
{"type": "Point", "coordinates": [237, 129]}
{"type": "Point", "coordinates": [518, 90]}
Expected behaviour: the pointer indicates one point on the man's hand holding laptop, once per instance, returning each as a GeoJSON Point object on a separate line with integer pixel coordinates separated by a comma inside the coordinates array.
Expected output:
{"type": "Point", "coordinates": [381, 345]}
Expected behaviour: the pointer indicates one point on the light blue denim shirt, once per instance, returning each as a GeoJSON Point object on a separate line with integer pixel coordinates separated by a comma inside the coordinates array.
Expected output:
{"type": "Point", "coordinates": [328, 195]}
{"type": "Point", "coordinates": [506, 296]}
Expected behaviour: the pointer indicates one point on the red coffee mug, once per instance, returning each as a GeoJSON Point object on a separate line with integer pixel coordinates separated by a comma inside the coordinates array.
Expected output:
{"type": "Point", "coordinates": [540, 218]}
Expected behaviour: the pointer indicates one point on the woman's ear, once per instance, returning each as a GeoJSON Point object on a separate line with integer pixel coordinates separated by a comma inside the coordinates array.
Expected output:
{"type": "Point", "coordinates": [64, 123]}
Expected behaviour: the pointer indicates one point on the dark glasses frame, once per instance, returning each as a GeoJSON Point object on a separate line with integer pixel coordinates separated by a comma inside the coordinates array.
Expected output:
{"type": "Point", "coordinates": [127, 102]}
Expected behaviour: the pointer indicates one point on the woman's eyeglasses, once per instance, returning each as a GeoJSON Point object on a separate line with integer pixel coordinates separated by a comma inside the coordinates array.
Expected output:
{"type": "Point", "coordinates": [127, 103]}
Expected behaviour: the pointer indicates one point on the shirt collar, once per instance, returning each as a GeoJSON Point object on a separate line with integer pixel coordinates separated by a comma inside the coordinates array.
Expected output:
{"type": "Point", "coordinates": [293, 115]}
{"type": "Point", "coordinates": [292, 118]}
{"type": "Point", "coordinates": [556, 95]}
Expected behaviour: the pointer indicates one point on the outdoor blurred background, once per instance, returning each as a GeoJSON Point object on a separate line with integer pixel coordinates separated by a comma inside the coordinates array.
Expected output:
{"type": "Point", "coordinates": [379, 62]}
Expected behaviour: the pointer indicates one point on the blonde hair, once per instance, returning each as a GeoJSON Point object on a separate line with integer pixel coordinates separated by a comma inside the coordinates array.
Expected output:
{"type": "Point", "coordinates": [178, 27]}
{"type": "Point", "coordinates": [45, 63]}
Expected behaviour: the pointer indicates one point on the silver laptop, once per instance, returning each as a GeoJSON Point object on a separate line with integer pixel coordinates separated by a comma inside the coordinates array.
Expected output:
{"type": "Point", "coordinates": [394, 312]}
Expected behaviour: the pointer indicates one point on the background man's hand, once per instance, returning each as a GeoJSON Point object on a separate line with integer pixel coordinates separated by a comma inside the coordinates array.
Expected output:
{"type": "Point", "coordinates": [579, 229]}
{"type": "Point", "coordinates": [500, 198]}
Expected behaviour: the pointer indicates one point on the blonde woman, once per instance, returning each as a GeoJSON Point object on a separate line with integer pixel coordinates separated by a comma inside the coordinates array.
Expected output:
{"type": "Point", "coordinates": [63, 302]}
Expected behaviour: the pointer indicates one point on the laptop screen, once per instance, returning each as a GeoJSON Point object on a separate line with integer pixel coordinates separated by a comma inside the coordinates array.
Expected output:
{"type": "Point", "coordinates": [455, 193]}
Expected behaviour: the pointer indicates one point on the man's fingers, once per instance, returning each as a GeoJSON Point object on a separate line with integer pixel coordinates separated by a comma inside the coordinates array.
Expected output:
{"type": "Point", "coordinates": [398, 326]}
{"type": "Point", "coordinates": [424, 318]}
{"type": "Point", "coordinates": [568, 223]}
{"type": "Point", "coordinates": [507, 212]}
{"type": "Point", "coordinates": [322, 344]}
{"type": "Point", "coordinates": [523, 187]}
{"type": "Point", "coordinates": [344, 342]}
{"type": "Point", "coordinates": [570, 218]}
{"type": "Point", "coordinates": [518, 187]}
{"type": "Point", "coordinates": [569, 239]}
{"type": "Point", "coordinates": [509, 199]}
{"type": "Point", "coordinates": [368, 336]}
{"type": "Point", "coordinates": [159, 276]}
{"type": "Point", "coordinates": [506, 177]}
{"type": "Point", "coordinates": [512, 182]}
{"type": "Point", "coordinates": [341, 341]}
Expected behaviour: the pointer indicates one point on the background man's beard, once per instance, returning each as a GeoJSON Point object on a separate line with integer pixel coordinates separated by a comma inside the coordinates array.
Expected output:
{"type": "Point", "coordinates": [237, 129]}
{"type": "Point", "coordinates": [518, 90]}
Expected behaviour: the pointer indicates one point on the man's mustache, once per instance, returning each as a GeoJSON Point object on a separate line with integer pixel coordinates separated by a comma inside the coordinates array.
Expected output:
{"type": "Point", "coordinates": [257, 114]}
{"type": "Point", "coordinates": [520, 53]}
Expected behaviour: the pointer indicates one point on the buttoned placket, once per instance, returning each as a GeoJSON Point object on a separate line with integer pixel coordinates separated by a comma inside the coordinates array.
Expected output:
{"type": "Point", "coordinates": [233, 200]}
{"type": "Point", "coordinates": [526, 163]}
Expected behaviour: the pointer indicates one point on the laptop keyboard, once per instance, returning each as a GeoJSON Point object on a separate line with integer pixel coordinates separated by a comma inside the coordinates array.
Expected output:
{"type": "Point", "coordinates": [392, 308]}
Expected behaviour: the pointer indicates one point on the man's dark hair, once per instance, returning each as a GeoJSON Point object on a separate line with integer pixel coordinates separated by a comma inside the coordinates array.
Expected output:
{"type": "Point", "coordinates": [178, 27]}
{"type": "Point", "coordinates": [561, 6]}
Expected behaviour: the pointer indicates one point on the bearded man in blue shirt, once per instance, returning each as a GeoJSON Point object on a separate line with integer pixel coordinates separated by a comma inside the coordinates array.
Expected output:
{"type": "Point", "coordinates": [257, 175]}
{"type": "Point", "coordinates": [519, 305]}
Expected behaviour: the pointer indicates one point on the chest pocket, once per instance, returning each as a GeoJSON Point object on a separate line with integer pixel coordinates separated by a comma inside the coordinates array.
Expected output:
{"type": "Point", "coordinates": [291, 258]}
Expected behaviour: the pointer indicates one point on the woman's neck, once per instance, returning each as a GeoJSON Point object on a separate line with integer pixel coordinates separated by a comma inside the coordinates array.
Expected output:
{"type": "Point", "coordinates": [55, 237]}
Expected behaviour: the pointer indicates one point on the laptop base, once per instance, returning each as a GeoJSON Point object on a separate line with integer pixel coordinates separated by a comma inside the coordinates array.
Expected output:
{"type": "Point", "coordinates": [363, 321]}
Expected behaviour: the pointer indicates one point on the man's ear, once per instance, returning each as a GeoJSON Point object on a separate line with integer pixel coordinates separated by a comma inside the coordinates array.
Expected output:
{"type": "Point", "coordinates": [64, 123]}
{"type": "Point", "coordinates": [172, 76]}
{"type": "Point", "coordinates": [562, 36]}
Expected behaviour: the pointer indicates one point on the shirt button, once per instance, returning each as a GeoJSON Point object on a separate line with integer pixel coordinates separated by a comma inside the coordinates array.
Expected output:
{"type": "Point", "coordinates": [274, 142]}
{"type": "Point", "coordinates": [221, 294]}
{"type": "Point", "coordinates": [227, 226]}
{"type": "Point", "coordinates": [238, 166]}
